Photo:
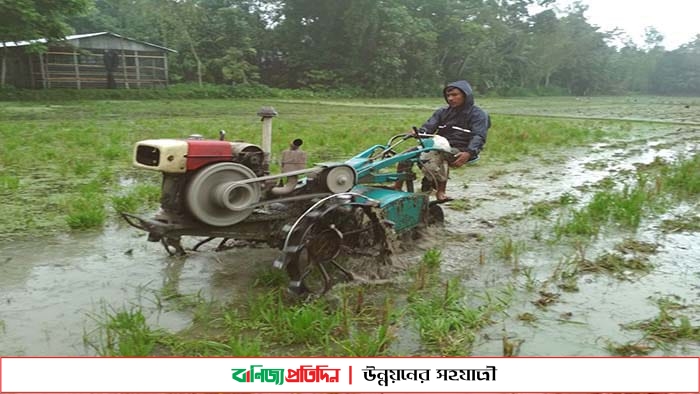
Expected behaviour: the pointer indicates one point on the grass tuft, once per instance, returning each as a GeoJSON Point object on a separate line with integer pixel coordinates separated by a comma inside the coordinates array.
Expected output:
{"type": "Point", "coordinates": [122, 333]}
{"type": "Point", "coordinates": [669, 327]}
{"type": "Point", "coordinates": [140, 198]}
{"type": "Point", "coordinates": [510, 250]}
{"type": "Point", "coordinates": [681, 224]}
{"type": "Point", "coordinates": [446, 323]}
{"type": "Point", "coordinates": [87, 211]}
{"type": "Point", "coordinates": [8, 182]}
{"type": "Point", "coordinates": [616, 265]}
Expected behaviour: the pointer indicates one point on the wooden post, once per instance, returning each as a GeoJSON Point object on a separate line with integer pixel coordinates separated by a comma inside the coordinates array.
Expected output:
{"type": "Point", "coordinates": [43, 70]}
{"type": "Point", "coordinates": [4, 66]}
{"type": "Point", "coordinates": [32, 80]}
{"type": "Point", "coordinates": [126, 76]}
{"type": "Point", "coordinates": [165, 65]}
{"type": "Point", "coordinates": [77, 69]}
{"type": "Point", "coordinates": [48, 71]}
{"type": "Point", "coordinates": [138, 69]}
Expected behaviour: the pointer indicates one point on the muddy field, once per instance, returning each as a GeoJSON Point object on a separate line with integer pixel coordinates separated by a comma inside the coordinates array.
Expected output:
{"type": "Point", "coordinates": [500, 239]}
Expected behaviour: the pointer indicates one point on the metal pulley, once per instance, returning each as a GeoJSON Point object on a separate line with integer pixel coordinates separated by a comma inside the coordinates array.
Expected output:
{"type": "Point", "coordinates": [338, 179]}
{"type": "Point", "coordinates": [215, 197]}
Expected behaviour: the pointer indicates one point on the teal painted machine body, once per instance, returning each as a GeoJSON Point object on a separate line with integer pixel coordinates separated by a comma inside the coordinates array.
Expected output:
{"type": "Point", "coordinates": [404, 210]}
{"type": "Point", "coordinates": [368, 163]}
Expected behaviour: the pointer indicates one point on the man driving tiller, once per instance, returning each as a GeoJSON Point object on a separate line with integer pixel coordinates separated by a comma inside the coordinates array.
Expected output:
{"type": "Point", "coordinates": [464, 125]}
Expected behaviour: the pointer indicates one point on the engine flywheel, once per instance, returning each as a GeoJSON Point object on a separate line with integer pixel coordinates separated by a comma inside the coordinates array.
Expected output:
{"type": "Point", "coordinates": [214, 196]}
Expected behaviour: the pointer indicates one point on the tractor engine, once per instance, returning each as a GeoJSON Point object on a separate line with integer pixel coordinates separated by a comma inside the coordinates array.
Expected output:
{"type": "Point", "coordinates": [201, 178]}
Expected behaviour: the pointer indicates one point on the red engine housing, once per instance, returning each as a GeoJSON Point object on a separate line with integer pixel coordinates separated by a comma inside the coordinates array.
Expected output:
{"type": "Point", "coordinates": [203, 152]}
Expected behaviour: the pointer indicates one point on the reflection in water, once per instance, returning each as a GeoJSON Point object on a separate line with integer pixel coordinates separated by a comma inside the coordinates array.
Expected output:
{"type": "Point", "coordinates": [48, 293]}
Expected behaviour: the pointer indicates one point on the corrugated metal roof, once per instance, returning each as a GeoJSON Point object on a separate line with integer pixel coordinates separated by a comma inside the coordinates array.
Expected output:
{"type": "Point", "coordinates": [79, 36]}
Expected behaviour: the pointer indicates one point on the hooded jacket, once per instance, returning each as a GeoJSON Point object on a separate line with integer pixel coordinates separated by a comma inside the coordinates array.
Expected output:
{"type": "Point", "coordinates": [465, 127]}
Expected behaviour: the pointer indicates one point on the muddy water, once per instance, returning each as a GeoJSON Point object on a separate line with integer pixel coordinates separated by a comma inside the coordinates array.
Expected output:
{"type": "Point", "coordinates": [579, 323]}
{"type": "Point", "coordinates": [49, 287]}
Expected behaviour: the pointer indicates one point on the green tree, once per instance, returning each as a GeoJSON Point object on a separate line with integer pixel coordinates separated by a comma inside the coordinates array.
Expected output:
{"type": "Point", "coordinates": [32, 19]}
{"type": "Point", "coordinates": [585, 69]}
{"type": "Point", "coordinates": [379, 46]}
{"type": "Point", "coordinates": [388, 47]}
{"type": "Point", "coordinates": [548, 50]}
{"type": "Point", "coordinates": [678, 71]}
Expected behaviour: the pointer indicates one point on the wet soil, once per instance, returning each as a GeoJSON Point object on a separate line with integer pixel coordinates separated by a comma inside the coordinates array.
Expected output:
{"type": "Point", "coordinates": [50, 286]}
{"type": "Point", "coordinates": [580, 322]}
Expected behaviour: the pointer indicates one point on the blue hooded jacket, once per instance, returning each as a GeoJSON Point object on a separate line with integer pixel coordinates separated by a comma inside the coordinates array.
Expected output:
{"type": "Point", "coordinates": [465, 127]}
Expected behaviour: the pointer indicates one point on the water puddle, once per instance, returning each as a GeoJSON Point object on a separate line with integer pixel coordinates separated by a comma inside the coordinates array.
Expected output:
{"type": "Point", "coordinates": [51, 286]}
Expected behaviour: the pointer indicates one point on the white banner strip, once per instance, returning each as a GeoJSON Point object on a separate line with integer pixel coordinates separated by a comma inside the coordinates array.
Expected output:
{"type": "Point", "coordinates": [367, 375]}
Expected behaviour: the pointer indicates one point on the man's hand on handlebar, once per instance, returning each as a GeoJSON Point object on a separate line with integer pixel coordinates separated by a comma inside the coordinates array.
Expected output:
{"type": "Point", "coordinates": [418, 135]}
{"type": "Point", "coordinates": [460, 159]}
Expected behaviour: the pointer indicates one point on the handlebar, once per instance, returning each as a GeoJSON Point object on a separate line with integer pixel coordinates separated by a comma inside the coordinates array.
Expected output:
{"type": "Point", "coordinates": [407, 136]}
{"type": "Point", "coordinates": [403, 137]}
{"type": "Point", "coordinates": [417, 134]}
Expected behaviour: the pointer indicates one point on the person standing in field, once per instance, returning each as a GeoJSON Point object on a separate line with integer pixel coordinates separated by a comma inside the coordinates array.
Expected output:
{"type": "Point", "coordinates": [464, 125]}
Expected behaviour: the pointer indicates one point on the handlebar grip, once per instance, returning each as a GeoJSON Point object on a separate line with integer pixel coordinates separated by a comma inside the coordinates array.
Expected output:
{"type": "Point", "coordinates": [418, 134]}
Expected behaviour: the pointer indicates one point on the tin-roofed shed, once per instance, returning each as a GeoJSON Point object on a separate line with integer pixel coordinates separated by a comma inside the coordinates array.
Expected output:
{"type": "Point", "coordinates": [95, 60]}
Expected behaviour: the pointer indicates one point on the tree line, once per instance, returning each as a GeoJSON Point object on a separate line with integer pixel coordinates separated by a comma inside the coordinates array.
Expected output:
{"type": "Point", "coordinates": [378, 47]}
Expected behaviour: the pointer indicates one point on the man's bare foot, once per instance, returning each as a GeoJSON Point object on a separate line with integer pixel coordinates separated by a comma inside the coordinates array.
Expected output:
{"type": "Point", "coordinates": [441, 197]}
{"type": "Point", "coordinates": [440, 193]}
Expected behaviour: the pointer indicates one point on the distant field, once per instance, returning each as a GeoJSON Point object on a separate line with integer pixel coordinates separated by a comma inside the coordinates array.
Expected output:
{"type": "Point", "coordinates": [57, 157]}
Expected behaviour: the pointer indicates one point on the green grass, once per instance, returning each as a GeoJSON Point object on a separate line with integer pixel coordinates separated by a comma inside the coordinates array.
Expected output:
{"type": "Point", "coordinates": [8, 182]}
{"type": "Point", "coordinates": [269, 277]}
{"type": "Point", "coordinates": [446, 319]}
{"type": "Point", "coordinates": [52, 147]}
{"type": "Point", "coordinates": [446, 324]}
{"type": "Point", "coordinates": [86, 211]}
{"type": "Point", "coordinates": [427, 270]}
{"type": "Point", "coordinates": [683, 178]}
{"type": "Point", "coordinates": [140, 197]}
{"type": "Point", "coordinates": [624, 207]}
{"type": "Point", "coordinates": [513, 138]}
{"type": "Point", "coordinates": [542, 209]}
{"type": "Point", "coordinates": [627, 206]}
{"type": "Point", "coordinates": [122, 332]}
{"type": "Point", "coordinates": [351, 321]}
{"type": "Point", "coordinates": [432, 259]}
{"type": "Point", "coordinates": [509, 250]}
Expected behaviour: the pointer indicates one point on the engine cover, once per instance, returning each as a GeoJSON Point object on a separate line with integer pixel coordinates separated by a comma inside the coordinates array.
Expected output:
{"type": "Point", "coordinates": [165, 155]}
{"type": "Point", "coordinates": [179, 156]}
